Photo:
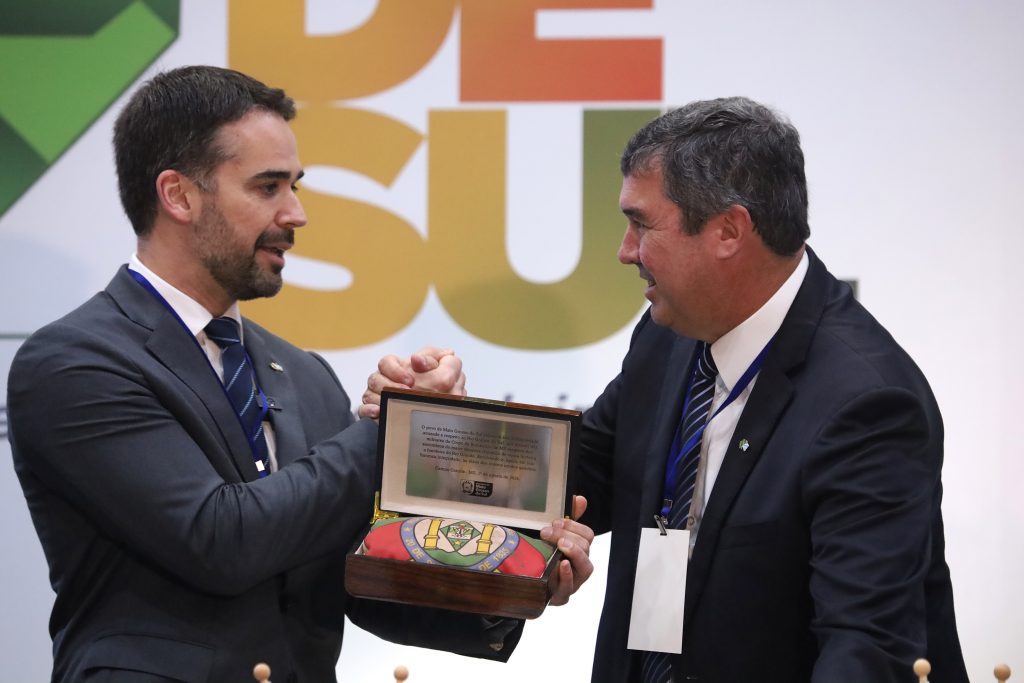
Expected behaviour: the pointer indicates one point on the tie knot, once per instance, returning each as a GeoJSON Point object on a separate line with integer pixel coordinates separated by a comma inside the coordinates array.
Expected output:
{"type": "Point", "coordinates": [223, 332]}
{"type": "Point", "coordinates": [705, 363]}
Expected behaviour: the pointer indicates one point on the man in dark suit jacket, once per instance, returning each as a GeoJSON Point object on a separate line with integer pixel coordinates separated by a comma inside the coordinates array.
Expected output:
{"type": "Point", "coordinates": [173, 555]}
{"type": "Point", "coordinates": [819, 544]}
{"type": "Point", "coordinates": [816, 547]}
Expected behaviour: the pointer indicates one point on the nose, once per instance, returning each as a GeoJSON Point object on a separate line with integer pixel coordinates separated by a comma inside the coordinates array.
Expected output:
{"type": "Point", "coordinates": [628, 249]}
{"type": "Point", "coordinates": [292, 215]}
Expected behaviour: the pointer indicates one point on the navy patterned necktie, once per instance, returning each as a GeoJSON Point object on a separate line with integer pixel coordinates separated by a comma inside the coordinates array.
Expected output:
{"type": "Point", "coordinates": [657, 666]}
{"type": "Point", "coordinates": [240, 386]}
{"type": "Point", "coordinates": [702, 393]}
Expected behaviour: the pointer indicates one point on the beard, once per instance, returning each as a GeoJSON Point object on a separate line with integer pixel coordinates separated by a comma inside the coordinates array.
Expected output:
{"type": "Point", "coordinates": [232, 265]}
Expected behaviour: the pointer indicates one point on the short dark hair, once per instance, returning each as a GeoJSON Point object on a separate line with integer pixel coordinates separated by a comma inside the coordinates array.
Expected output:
{"type": "Point", "coordinates": [172, 121]}
{"type": "Point", "coordinates": [717, 153]}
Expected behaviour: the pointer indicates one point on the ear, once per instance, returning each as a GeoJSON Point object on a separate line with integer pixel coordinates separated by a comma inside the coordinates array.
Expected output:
{"type": "Point", "coordinates": [731, 229]}
{"type": "Point", "coordinates": [178, 196]}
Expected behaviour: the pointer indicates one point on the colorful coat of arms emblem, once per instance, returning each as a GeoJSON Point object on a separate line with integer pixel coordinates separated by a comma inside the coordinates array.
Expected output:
{"type": "Point", "coordinates": [460, 543]}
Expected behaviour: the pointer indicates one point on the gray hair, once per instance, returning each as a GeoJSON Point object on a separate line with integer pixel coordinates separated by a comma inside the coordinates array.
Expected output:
{"type": "Point", "coordinates": [717, 153]}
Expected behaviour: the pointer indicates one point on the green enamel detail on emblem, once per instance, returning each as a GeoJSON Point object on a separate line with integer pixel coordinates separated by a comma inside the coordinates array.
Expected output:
{"type": "Point", "coordinates": [459, 534]}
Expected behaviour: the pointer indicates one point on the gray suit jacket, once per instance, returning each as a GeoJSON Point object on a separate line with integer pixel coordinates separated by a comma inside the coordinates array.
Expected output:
{"type": "Point", "coordinates": [820, 555]}
{"type": "Point", "coordinates": [168, 555]}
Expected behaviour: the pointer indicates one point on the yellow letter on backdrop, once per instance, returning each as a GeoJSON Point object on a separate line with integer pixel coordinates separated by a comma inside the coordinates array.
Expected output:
{"type": "Point", "coordinates": [469, 262]}
{"type": "Point", "coordinates": [268, 40]}
{"type": "Point", "coordinates": [383, 252]}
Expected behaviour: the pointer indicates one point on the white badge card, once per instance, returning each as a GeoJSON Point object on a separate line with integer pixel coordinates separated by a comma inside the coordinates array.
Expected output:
{"type": "Point", "coordinates": [656, 620]}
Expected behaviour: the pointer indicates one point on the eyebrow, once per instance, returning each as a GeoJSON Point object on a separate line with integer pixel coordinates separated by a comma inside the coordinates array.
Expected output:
{"type": "Point", "coordinates": [277, 175]}
{"type": "Point", "coordinates": [633, 212]}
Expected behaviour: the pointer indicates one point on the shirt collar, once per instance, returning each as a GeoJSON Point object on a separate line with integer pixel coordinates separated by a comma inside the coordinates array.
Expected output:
{"type": "Point", "coordinates": [192, 313]}
{"type": "Point", "coordinates": [736, 350]}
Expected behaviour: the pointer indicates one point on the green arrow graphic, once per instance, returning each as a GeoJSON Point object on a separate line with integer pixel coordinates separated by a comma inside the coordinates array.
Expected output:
{"type": "Point", "coordinates": [61, 66]}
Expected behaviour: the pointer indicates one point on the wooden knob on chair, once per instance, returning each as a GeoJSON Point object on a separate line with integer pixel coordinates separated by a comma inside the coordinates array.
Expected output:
{"type": "Point", "coordinates": [401, 673]}
{"type": "Point", "coordinates": [922, 668]}
{"type": "Point", "coordinates": [261, 672]}
{"type": "Point", "coordinates": [1002, 672]}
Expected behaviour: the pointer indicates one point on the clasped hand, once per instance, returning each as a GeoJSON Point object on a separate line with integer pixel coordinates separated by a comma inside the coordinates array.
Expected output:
{"type": "Point", "coordinates": [429, 369]}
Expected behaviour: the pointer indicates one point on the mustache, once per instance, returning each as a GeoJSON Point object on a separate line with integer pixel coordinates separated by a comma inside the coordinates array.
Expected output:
{"type": "Point", "coordinates": [275, 237]}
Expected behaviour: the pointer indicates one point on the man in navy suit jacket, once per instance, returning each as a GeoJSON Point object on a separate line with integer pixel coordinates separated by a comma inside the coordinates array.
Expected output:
{"type": "Point", "coordinates": [816, 547]}
{"type": "Point", "coordinates": [173, 556]}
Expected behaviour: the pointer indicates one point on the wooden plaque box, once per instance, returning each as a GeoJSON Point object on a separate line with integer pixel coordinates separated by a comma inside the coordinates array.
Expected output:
{"type": "Point", "coordinates": [446, 461]}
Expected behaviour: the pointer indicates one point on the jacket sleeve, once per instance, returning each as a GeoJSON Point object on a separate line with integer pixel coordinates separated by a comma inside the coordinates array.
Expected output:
{"type": "Point", "coordinates": [868, 498]}
{"type": "Point", "coordinates": [595, 478]}
{"type": "Point", "coordinates": [462, 633]}
{"type": "Point", "coordinates": [131, 451]}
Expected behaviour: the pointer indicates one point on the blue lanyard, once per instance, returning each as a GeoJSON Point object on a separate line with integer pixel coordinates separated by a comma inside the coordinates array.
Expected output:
{"type": "Point", "coordinates": [264, 408]}
{"type": "Point", "coordinates": [677, 450]}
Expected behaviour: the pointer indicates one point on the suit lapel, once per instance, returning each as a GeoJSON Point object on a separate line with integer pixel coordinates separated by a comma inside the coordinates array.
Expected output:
{"type": "Point", "coordinates": [767, 402]}
{"type": "Point", "coordinates": [276, 381]}
{"type": "Point", "coordinates": [171, 345]}
{"type": "Point", "coordinates": [772, 392]}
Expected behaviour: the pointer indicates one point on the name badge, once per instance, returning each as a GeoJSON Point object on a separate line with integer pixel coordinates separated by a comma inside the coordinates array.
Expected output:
{"type": "Point", "coordinates": [656, 619]}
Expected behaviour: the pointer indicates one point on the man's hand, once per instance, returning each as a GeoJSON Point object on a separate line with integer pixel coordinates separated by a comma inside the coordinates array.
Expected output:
{"type": "Point", "coordinates": [574, 540]}
{"type": "Point", "coordinates": [429, 369]}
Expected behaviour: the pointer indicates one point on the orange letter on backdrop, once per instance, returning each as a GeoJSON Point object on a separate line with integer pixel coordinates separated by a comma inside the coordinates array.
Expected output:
{"type": "Point", "coordinates": [269, 41]}
{"type": "Point", "coordinates": [502, 59]}
{"type": "Point", "coordinates": [464, 255]}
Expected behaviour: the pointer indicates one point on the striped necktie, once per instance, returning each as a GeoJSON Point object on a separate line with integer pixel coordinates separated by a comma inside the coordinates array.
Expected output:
{"type": "Point", "coordinates": [657, 666]}
{"type": "Point", "coordinates": [240, 387]}
{"type": "Point", "coordinates": [702, 393]}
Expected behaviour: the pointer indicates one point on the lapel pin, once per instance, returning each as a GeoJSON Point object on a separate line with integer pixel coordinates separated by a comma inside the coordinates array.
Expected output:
{"type": "Point", "coordinates": [275, 366]}
{"type": "Point", "coordinates": [744, 445]}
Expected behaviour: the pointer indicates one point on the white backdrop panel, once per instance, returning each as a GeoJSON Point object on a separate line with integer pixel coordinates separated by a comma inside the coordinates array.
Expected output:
{"type": "Point", "coordinates": [908, 117]}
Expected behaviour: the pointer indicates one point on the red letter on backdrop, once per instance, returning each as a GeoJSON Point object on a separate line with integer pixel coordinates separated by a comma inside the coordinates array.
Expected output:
{"type": "Point", "coordinates": [503, 60]}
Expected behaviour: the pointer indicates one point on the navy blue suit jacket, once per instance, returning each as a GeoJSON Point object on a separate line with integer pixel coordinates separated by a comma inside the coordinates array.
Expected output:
{"type": "Point", "coordinates": [820, 556]}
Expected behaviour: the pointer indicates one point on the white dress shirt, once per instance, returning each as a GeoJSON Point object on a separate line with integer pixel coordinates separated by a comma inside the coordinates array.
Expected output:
{"type": "Point", "coordinates": [733, 353]}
